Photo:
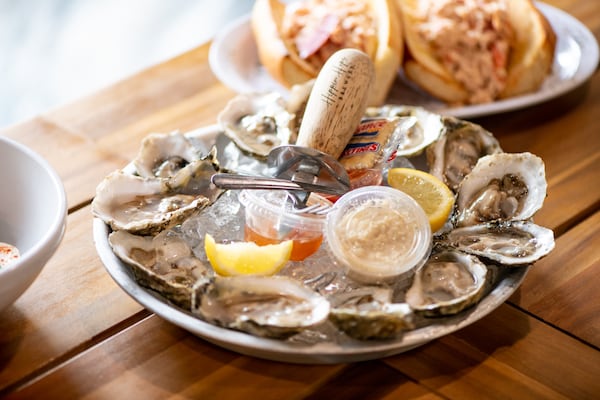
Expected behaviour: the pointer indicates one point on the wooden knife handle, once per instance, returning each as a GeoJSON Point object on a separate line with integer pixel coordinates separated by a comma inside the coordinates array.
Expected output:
{"type": "Point", "coordinates": [337, 102]}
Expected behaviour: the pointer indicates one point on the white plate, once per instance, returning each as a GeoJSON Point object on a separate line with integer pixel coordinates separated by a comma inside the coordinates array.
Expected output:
{"type": "Point", "coordinates": [234, 60]}
{"type": "Point", "coordinates": [346, 350]}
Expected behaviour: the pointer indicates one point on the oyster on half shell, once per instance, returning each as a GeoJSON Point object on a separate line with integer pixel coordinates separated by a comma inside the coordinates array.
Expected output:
{"type": "Point", "coordinates": [502, 187]}
{"type": "Point", "coordinates": [162, 155]}
{"type": "Point", "coordinates": [509, 243]}
{"type": "Point", "coordinates": [268, 306]}
{"type": "Point", "coordinates": [257, 123]}
{"type": "Point", "coordinates": [164, 263]}
{"type": "Point", "coordinates": [449, 282]}
{"type": "Point", "coordinates": [422, 127]}
{"type": "Point", "coordinates": [146, 206]}
{"type": "Point", "coordinates": [368, 313]}
{"type": "Point", "coordinates": [455, 153]}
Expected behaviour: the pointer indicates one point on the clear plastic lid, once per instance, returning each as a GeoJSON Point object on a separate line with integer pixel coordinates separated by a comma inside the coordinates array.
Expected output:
{"type": "Point", "coordinates": [277, 205]}
{"type": "Point", "coordinates": [378, 233]}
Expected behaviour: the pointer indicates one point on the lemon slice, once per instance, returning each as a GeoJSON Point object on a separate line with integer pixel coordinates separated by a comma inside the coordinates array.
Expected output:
{"type": "Point", "coordinates": [431, 193]}
{"type": "Point", "coordinates": [246, 258]}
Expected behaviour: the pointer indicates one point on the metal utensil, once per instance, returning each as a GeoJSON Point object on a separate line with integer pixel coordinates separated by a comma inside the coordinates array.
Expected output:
{"type": "Point", "coordinates": [240, 181]}
{"type": "Point", "coordinates": [312, 169]}
{"type": "Point", "coordinates": [299, 170]}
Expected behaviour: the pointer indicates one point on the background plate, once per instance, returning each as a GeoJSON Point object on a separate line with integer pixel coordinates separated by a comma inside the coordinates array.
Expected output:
{"type": "Point", "coordinates": [346, 350]}
{"type": "Point", "coordinates": [234, 60]}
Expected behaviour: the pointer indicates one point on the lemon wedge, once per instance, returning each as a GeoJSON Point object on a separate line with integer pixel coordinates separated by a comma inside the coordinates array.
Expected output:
{"type": "Point", "coordinates": [246, 258]}
{"type": "Point", "coordinates": [432, 194]}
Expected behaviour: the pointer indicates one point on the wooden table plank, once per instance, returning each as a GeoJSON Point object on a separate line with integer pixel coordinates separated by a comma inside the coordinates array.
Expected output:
{"type": "Point", "coordinates": [371, 380]}
{"type": "Point", "coordinates": [155, 359]}
{"type": "Point", "coordinates": [152, 90]}
{"type": "Point", "coordinates": [183, 117]}
{"type": "Point", "coordinates": [573, 195]}
{"type": "Point", "coordinates": [515, 354]}
{"type": "Point", "coordinates": [507, 350]}
{"type": "Point", "coordinates": [562, 288]}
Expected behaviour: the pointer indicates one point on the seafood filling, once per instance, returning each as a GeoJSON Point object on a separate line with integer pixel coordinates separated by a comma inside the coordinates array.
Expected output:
{"type": "Point", "coordinates": [472, 39]}
{"type": "Point", "coordinates": [319, 28]}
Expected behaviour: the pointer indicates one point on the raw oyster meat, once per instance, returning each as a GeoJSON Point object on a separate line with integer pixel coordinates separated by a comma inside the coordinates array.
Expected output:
{"type": "Point", "coordinates": [368, 313]}
{"type": "Point", "coordinates": [164, 263]}
{"type": "Point", "coordinates": [146, 206]}
{"type": "Point", "coordinates": [449, 282]}
{"type": "Point", "coordinates": [162, 155]}
{"type": "Point", "coordinates": [458, 149]}
{"type": "Point", "coordinates": [275, 306]}
{"type": "Point", "coordinates": [509, 243]}
{"type": "Point", "coordinates": [257, 123]}
{"type": "Point", "coordinates": [502, 187]}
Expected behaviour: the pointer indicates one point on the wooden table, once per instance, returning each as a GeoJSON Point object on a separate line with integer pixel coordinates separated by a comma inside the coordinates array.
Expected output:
{"type": "Point", "coordinates": [75, 333]}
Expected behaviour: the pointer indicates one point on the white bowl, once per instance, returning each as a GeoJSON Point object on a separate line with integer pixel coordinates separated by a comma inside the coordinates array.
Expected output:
{"type": "Point", "coordinates": [33, 213]}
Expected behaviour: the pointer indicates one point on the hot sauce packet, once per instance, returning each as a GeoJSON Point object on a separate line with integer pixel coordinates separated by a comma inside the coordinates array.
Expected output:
{"type": "Point", "coordinates": [373, 144]}
{"type": "Point", "coordinates": [370, 149]}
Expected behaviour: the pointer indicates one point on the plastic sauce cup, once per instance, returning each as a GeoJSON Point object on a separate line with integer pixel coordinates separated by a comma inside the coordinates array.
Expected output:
{"type": "Point", "coordinates": [270, 218]}
{"type": "Point", "coordinates": [378, 233]}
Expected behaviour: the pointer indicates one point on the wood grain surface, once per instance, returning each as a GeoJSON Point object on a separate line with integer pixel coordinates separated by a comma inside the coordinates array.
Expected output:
{"type": "Point", "coordinates": [76, 334]}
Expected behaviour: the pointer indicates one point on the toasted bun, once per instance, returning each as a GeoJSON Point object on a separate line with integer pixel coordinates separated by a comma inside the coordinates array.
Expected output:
{"type": "Point", "coordinates": [273, 53]}
{"type": "Point", "coordinates": [281, 59]}
{"type": "Point", "coordinates": [533, 51]}
{"type": "Point", "coordinates": [530, 60]}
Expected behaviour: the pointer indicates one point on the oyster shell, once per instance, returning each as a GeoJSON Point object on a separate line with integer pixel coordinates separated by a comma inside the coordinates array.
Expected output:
{"type": "Point", "coordinates": [146, 206]}
{"type": "Point", "coordinates": [368, 313]}
{"type": "Point", "coordinates": [298, 98]}
{"type": "Point", "coordinates": [421, 128]}
{"type": "Point", "coordinates": [164, 263]}
{"type": "Point", "coordinates": [455, 153]}
{"type": "Point", "coordinates": [275, 306]}
{"type": "Point", "coordinates": [258, 122]}
{"type": "Point", "coordinates": [449, 282]}
{"type": "Point", "coordinates": [163, 155]}
{"type": "Point", "coordinates": [502, 187]}
{"type": "Point", "coordinates": [509, 243]}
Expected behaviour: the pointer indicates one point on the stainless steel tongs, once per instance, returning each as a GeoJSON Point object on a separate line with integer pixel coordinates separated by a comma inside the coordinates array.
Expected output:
{"type": "Point", "coordinates": [299, 170]}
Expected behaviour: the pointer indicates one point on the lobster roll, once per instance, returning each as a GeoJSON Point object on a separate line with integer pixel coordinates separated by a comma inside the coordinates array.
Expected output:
{"type": "Point", "coordinates": [295, 39]}
{"type": "Point", "coordinates": [476, 51]}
